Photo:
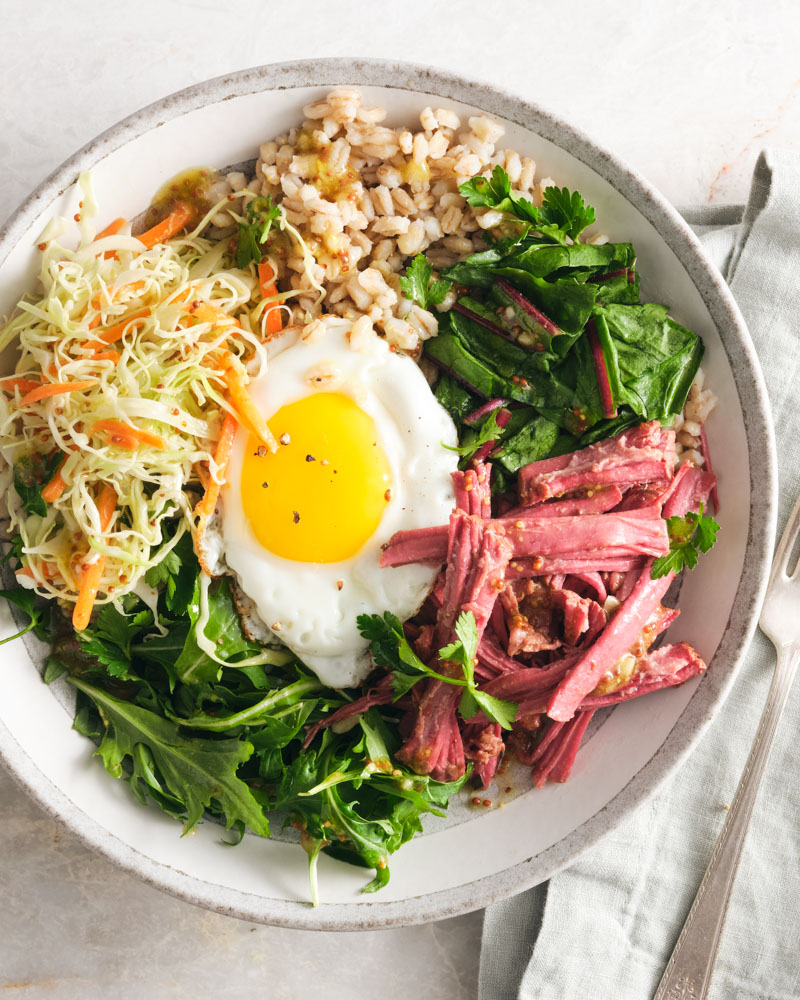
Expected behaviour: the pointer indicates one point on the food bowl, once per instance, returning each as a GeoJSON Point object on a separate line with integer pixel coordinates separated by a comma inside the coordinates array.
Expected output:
{"type": "Point", "coordinates": [476, 856]}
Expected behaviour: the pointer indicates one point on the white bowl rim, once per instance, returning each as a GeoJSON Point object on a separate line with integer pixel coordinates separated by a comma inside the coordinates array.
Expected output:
{"type": "Point", "coordinates": [746, 370]}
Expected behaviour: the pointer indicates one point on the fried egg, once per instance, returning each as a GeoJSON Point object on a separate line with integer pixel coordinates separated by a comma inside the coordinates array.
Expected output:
{"type": "Point", "coordinates": [362, 453]}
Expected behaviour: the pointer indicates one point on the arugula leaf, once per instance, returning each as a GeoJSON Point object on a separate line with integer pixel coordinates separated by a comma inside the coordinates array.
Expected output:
{"type": "Point", "coordinates": [688, 536]}
{"type": "Point", "coordinates": [262, 212]}
{"type": "Point", "coordinates": [31, 473]}
{"type": "Point", "coordinates": [564, 211]}
{"type": "Point", "coordinates": [419, 284]}
{"type": "Point", "coordinates": [15, 546]}
{"type": "Point", "coordinates": [223, 628]}
{"type": "Point", "coordinates": [109, 639]}
{"type": "Point", "coordinates": [194, 773]}
{"type": "Point", "coordinates": [25, 600]}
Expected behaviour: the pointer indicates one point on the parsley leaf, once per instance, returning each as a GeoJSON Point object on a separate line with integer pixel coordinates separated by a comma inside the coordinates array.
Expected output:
{"type": "Point", "coordinates": [489, 430]}
{"type": "Point", "coordinates": [464, 652]}
{"type": "Point", "coordinates": [495, 192]}
{"type": "Point", "coordinates": [261, 212]}
{"type": "Point", "coordinates": [566, 211]}
{"type": "Point", "coordinates": [688, 536]}
{"type": "Point", "coordinates": [563, 213]}
{"type": "Point", "coordinates": [31, 473]}
{"type": "Point", "coordinates": [420, 286]}
{"type": "Point", "coordinates": [390, 648]}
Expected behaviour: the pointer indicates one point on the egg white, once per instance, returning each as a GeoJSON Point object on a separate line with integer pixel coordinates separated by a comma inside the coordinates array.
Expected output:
{"type": "Point", "coordinates": [300, 603]}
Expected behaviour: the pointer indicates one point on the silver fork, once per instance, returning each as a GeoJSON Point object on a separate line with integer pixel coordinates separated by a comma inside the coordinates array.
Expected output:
{"type": "Point", "coordinates": [689, 969]}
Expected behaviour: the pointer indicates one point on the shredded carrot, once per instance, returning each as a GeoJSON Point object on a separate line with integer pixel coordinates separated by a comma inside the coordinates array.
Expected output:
{"type": "Point", "coordinates": [114, 332]}
{"type": "Point", "coordinates": [106, 356]}
{"type": "Point", "coordinates": [111, 229]}
{"type": "Point", "coordinates": [90, 581]}
{"type": "Point", "coordinates": [54, 389]}
{"type": "Point", "coordinates": [269, 290]}
{"type": "Point", "coordinates": [206, 313]}
{"type": "Point", "coordinates": [53, 490]}
{"type": "Point", "coordinates": [131, 286]}
{"type": "Point", "coordinates": [167, 228]}
{"type": "Point", "coordinates": [205, 507]}
{"type": "Point", "coordinates": [125, 436]}
{"type": "Point", "coordinates": [23, 384]}
{"type": "Point", "coordinates": [240, 398]}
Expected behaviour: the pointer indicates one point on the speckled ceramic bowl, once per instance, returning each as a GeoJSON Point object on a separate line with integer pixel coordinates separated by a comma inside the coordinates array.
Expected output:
{"type": "Point", "coordinates": [473, 860]}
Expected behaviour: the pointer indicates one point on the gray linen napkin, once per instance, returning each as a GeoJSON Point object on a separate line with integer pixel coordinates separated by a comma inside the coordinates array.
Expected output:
{"type": "Point", "coordinates": [604, 928]}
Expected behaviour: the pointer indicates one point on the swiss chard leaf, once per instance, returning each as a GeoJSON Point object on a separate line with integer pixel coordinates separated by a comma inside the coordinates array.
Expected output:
{"type": "Point", "coordinates": [651, 360]}
{"type": "Point", "coordinates": [533, 442]}
{"type": "Point", "coordinates": [192, 773]}
{"type": "Point", "coordinates": [420, 286]}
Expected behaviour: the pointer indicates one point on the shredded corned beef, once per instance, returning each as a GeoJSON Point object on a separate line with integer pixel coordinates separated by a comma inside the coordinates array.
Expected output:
{"type": "Point", "coordinates": [642, 454]}
{"type": "Point", "coordinates": [563, 599]}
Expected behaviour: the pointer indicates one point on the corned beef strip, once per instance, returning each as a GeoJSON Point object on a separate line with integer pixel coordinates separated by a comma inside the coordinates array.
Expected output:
{"type": "Point", "coordinates": [688, 491]}
{"type": "Point", "coordinates": [592, 580]}
{"type": "Point", "coordinates": [493, 659]}
{"type": "Point", "coordinates": [596, 502]}
{"type": "Point", "coordinates": [636, 533]}
{"type": "Point", "coordinates": [380, 694]}
{"type": "Point", "coordinates": [556, 764]}
{"type": "Point", "coordinates": [665, 667]}
{"type": "Point", "coordinates": [483, 744]}
{"type": "Point", "coordinates": [418, 545]}
{"type": "Point", "coordinates": [545, 566]}
{"type": "Point", "coordinates": [434, 746]}
{"type": "Point", "coordinates": [476, 559]}
{"type": "Point", "coordinates": [642, 454]}
{"type": "Point", "coordinates": [594, 538]}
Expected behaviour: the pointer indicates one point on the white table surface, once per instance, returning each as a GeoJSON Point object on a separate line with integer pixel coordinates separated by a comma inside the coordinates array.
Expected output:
{"type": "Point", "coordinates": [687, 93]}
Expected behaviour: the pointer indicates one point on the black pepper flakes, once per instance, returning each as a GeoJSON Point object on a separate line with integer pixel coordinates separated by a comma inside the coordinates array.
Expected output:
{"type": "Point", "coordinates": [264, 485]}
{"type": "Point", "coordinates": [295, 517]}
{"type": "Point", "coordinates": [310, 458]}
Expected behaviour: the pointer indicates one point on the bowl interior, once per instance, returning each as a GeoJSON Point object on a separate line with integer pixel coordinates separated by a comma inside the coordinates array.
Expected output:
{"type": "Point", "coordinates": [498, 849]}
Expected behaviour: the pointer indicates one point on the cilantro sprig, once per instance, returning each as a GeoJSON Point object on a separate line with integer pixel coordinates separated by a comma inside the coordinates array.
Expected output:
{"type": "Point", "coordinates": [688, 536]}
{"type": "Point", "coordinates": [390, 648]}
{"type": "Point", "coordinates": [262, 213]}
{"type": "Point", "coordinates": [563, 213]}
{"type": "Point", "coordinates": [419, 285]}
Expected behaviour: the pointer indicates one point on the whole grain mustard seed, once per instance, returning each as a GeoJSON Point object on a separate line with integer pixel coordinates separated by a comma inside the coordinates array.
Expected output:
{"type": "Point", "coordinates": [339, 584]}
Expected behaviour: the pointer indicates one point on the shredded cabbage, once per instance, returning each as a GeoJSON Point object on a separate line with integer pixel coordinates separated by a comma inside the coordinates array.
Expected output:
{"type": "Point", "coordinates": [163, 375]}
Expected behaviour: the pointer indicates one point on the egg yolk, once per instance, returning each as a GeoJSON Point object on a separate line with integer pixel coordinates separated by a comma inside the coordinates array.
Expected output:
{"type": "Point", "coordinates": [322, 494]}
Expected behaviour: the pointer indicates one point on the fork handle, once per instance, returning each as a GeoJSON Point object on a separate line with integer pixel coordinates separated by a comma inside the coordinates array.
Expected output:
{"type": "Point", "coordinates": [689, 969]}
